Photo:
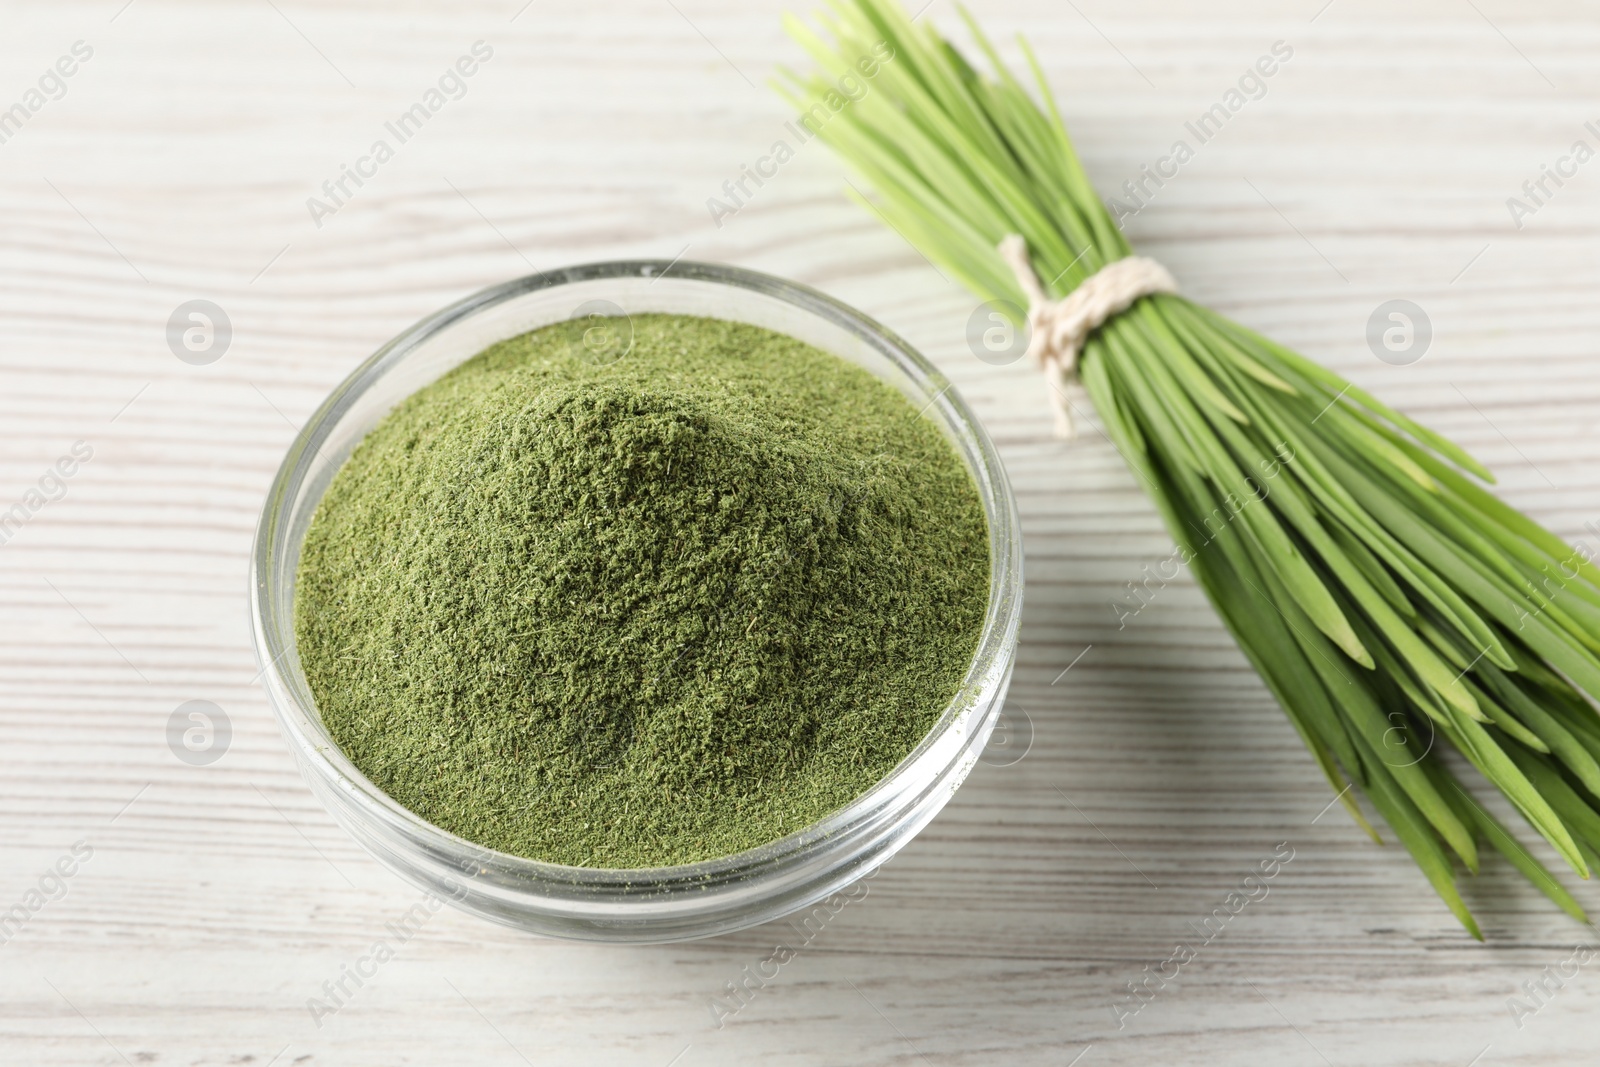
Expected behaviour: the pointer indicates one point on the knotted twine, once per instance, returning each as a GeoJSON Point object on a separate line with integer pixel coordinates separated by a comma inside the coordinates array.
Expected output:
{"type": "Point", "coordinates": [1057, 329]}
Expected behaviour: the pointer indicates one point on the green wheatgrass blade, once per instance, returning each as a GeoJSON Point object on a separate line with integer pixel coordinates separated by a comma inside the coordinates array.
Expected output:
{"type": "Point", "coordinates": [1282, 659]}
{"type": "Point", "coordinates": [1486, 754]}
{"type": "Point", "coordinates": [1180, 360]}
{"type": "Point", "coordinates": [978, 156]}
{"type": "Point", "coordinates": [1368, 723]}
{"type": "Point", "coordinates": [1460, 649]}
{"type": "Point", "coordinates": [1027, 137]}
{"type": "Point", "coordinates": [1407, 565]}
{"type": "Point", "coordinates": [1275, 546]}
{"type": "Point", "coordinates": [1272, 651]}
{"type": "Point", "coordinates": [1513, 581]}
{"type": "Point", "coordinates": [1293, 657]}
{"type": "Point", "coordinates": [1330, 495]}
{"type": "Point", "coordinates": [1473, 813]}
{"type": "Point", "coordinates": [1337, 386]}
{"type": "Point", "coordinates": [1590, 856]}
{"type": "Point", "coordinates": [1034, 141]}
{"type": "Point", "coordinates": [1506, 721]}
{"type": "Point", "coordinates": [1469, 540]}
{"type": "Point", "coordinates": [1579, 721]}
{"type": "Point", "coordinates": [1559, 650]}
{"type": "Point", "coordinates": [937, 69]}
{"type": "Point", "coordinates": [1442, 556]}
{"type": "Point", "coordinates": [1171, 438]}
{"type": "Point", "coordinates": [1220, 344]}
{"type": "Point", "coordinates": [1539, 672]}
{"type": "Point", "coordinates": [1577, 811]}
{"type": "Point", "coordinates": [921, 173]}
{"type": "Point", "coordinates": [1531, 869]}
{"type": "Point", "coordinates": [1363, 440]}
{"type": "Point", "coordinates": [1507, 519]}
{"type": "Point", "coordinates": [1318, 653]}
{"type": "Point", "coordinates": [1417, 695]}
{"type": "Point", "coordinates": [1510, 530]}
{"type": "Point", "coordinates": [1108, 237]}
{"type": "Point", "coordinates": [1573, 617]}
{"type": "Point", "coordinates": [1127, 437]}
{"type": "Point", "coordinates": [1577, 724]}
{"type": "Point", "coordinates": [1276, 654]}
{"type": "Point", "coordinates": [1558, 740]}
{"type": "Point", "coordinates": [1222, 362]}
{"type": "Point", "coordinates": [1413, 832]}
{"type": "Point", "coordinates": [1298, 512]}
{"type": "Point", "coordinates": [1375, 571]}
{"type": "Point", "coordinates": [1565, 604]}
{"type": "Point", "coordinates": [1365, 539]}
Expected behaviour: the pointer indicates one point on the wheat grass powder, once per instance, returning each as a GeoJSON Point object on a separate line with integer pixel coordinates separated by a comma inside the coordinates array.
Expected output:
{"type": "Point", "coordinates": [645, 612]}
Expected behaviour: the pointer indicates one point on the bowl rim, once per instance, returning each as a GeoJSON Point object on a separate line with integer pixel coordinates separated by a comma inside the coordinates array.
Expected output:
{"type": "Point", "coordinates": [996, 643]}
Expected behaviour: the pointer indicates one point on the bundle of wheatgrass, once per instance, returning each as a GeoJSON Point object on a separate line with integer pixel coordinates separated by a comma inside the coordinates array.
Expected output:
{"type": "Point", "coordinates": [1387, 599]}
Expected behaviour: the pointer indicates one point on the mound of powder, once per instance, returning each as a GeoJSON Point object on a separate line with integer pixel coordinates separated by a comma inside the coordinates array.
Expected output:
{"type": "Point", "coordinates": [641, 613]}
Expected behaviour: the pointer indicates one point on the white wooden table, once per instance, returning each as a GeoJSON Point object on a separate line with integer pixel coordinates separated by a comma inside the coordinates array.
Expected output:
{"type": "Point", "coordinates": [218, 899]}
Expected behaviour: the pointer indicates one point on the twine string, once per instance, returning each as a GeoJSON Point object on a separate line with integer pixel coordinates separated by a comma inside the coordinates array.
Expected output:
{"type": "Point", "coordinates": [1057, 329]}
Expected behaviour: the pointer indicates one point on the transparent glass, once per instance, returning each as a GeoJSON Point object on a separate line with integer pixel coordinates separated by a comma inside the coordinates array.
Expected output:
{"type": "Point", "coordinates": [659, 903]}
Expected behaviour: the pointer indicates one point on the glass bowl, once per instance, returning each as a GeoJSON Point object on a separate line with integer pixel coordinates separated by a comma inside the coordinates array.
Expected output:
{"type": "Point", "coordinates": [659, 903]}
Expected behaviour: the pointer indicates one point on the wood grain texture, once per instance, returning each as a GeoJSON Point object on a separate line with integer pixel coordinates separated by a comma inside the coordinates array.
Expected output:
{"type": "Point", "coordinates": [177, 166]}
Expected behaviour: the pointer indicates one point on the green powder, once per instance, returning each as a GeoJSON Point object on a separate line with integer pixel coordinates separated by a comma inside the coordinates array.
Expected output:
{"type": "Point", "coordinates": [641, 613]}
